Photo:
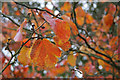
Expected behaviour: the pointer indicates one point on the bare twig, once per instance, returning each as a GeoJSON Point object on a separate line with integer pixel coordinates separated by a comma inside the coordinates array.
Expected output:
{"type": "Point", "coordinates": [10, 19]}
{"type": "Point", "coordinates": [29, 7]}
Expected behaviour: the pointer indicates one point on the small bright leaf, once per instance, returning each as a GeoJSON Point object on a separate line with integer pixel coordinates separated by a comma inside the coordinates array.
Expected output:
{"type": "Point", "coordinates": [80, 14]}
{"type": "Point", "coordinates": [89, 19]}
{"type": "Point", "coordinates": [66, 7]}
{"type": "Point", "coordinates": [17, 13]}
{"type": "Point", "coordinates": [24, 56]}
{"type": "Point", "coordinates": [71, 59]}
{"type": "Point", "coordinates": [44, 54]}
{"type": "Point", "coordinates": [108, 20]}
{"type": "Point", "coordinates": [80, 20]}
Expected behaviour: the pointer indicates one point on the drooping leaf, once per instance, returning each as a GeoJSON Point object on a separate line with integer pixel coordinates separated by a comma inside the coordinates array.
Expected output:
{"type": "Point", "coordinates": [72, 25]}
{"type": "Point", "coordinates": [19, 37]}
{"type": "Point", "coordinates": [44, 54]}
{"type": "Point", "coordinates": [61, 28]}
{"type": "Point", "coordinates": [24, 56]}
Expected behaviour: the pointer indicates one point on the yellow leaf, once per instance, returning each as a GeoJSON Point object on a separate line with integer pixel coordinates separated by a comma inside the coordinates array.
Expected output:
{"type": "Point", "coordinates": [71, 60]}
{"type": "Point", "coordinates": [24, 56]}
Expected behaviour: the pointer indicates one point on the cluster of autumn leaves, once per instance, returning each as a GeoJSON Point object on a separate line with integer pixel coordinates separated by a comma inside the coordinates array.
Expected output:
{"type": "Point", "coordinates": [44, 54]}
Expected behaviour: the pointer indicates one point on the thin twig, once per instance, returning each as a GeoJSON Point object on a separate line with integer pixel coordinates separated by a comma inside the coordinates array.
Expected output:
{"type": "Point", "coordinates": [10, 19]}
{"type": "Point", "coordinates": [41, 25]}
{"type": "Point", "coordinates": [29, 7]}
{"type": "Point", "coordinates": [99, 52]}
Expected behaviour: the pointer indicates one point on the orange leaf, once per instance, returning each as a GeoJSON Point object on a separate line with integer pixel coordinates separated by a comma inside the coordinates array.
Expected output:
{"type": "Point", "coordinates": [28, 44]}
{"type": "Point", "coordinates": [44, 54]}
{"type": "Point", "coordinates": [66, 7]}
{"type": "Point", "coordinates": [66, 46]}
{"type": "Point", "coordinates": [108, 20]}
{"type": "Point", "coordinates": [72, 25]}
{"type": "Point", "coordinates": [61, 28]}
{"type": "Point", "coordinates": [89, 68]}
{"type": "Point", "coordinates": [24, 56]}
{"type": "Point", "coordinates": [54, 72]}
{"type": "Point", "coordinates": [89, 19]}
{"type": "Point", "coordinates": [80, 20]}
{"type": "Point", "coordinates": [17, 13]}
{"type": "Point", "coordinates": [79, 12]}
{"type": "Point", "coordinates": [112, 9]}
{"type": "Point", "coordinates": [113, 40]}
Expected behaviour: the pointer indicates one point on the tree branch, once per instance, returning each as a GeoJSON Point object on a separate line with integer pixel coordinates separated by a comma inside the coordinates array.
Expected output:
{"type": "Point", "coordinates": [29, 7]}
{"type": "Point", "coordinates": [10, 19]}
{"type": "Point", "coordinates": [117, 67]}
{"type": "Point", "coordinates": [99, 52]}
